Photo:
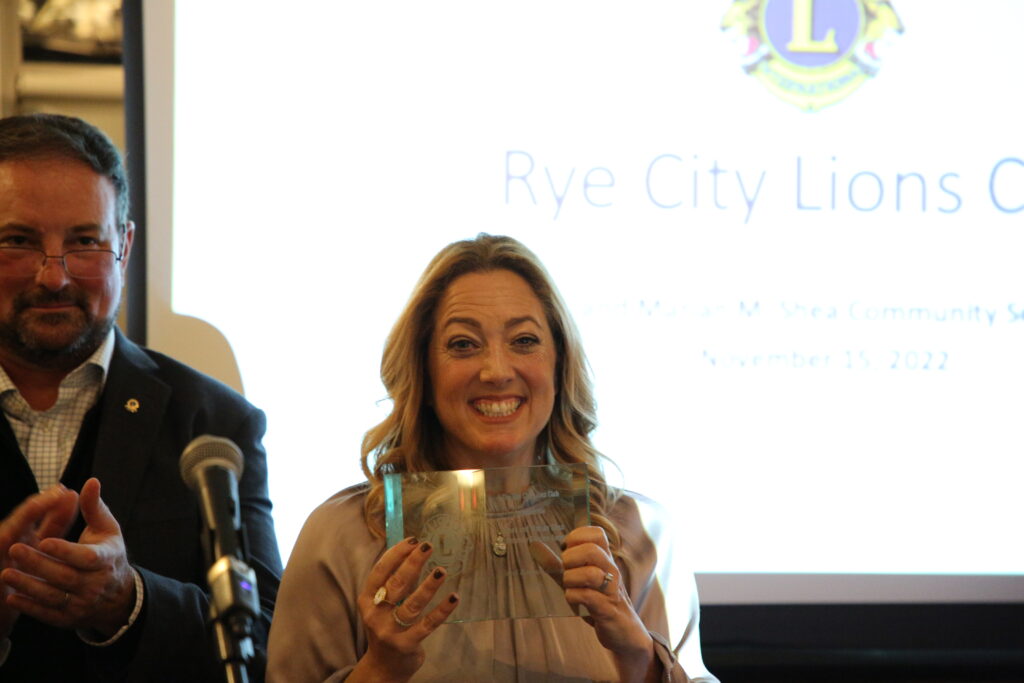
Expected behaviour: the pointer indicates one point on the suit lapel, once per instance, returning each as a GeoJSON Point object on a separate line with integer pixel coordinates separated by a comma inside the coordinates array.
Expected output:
{"type": "Point", "coordinates": [134, 403]}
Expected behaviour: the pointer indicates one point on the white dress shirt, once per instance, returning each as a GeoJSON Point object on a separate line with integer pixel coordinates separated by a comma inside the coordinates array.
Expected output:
{"type": "Point", "coordinates": [47, 437]}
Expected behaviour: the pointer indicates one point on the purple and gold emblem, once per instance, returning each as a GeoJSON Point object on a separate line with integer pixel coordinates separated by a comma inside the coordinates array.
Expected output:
{"type": "Point", "coordinates": [811, 53]}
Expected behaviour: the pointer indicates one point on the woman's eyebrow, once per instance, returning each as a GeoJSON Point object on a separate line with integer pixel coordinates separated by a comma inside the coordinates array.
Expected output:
{"type": "Point", "coordinates": [522, 319]}
{"type": "Point", "coordinates": [474, 323]}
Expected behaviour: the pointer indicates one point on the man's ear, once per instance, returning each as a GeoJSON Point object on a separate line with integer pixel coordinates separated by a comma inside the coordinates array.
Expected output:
{"type": "Point", "coordinates": [126, 244]}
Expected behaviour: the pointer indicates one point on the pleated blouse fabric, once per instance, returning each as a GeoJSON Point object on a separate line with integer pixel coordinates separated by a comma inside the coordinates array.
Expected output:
{"type": "Point", "coordinates": [317, 634]}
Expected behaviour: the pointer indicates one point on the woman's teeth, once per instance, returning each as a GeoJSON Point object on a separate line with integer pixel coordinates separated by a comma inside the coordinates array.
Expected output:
{"type": "Point", "coordinates": [497, 408]}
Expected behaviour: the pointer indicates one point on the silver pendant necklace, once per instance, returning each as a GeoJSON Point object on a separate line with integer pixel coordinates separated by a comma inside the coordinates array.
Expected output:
{"type": "Point", "coordinates": [498, 546]}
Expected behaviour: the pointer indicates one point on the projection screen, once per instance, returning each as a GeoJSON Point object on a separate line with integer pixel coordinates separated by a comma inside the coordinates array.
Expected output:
{"type": "Point", "coordinates": [789, 233]}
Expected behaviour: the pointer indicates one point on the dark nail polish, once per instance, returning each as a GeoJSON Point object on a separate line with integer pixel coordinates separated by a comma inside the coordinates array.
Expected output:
{"type": "Point", "coordinates": [453, 598]}
{"type": "Point", "coordinates": [438, 573]}
{"type": "Point", "coordinates": [425, 547]}
{"type": "Point", "coordinates": [413, 541]}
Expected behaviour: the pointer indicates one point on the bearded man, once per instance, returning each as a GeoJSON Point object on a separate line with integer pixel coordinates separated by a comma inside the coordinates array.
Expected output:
{"type": "Point", "coordinates": [100, 584]}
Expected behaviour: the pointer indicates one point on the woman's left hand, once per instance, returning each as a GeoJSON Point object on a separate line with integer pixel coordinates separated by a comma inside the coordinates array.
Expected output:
{"type": "Point", "coordinates": [592, 579]}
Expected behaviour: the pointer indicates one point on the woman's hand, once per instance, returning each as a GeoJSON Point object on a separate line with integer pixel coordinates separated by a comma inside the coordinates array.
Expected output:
{"type": "Point", "coordinates": [391, 605]}
{"type": "Point", "coordinates": [592, 579]}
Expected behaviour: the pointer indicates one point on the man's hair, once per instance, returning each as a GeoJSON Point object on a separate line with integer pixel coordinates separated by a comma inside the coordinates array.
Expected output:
{"type": "Point", "coordinates": [48, 136]}
{"type": "Point", "coordinates": [410, 438]}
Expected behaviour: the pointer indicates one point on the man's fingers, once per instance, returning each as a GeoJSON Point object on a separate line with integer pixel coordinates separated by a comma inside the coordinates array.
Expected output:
{"type": "Point", "coordinates": [37, 610]}
{"type": "Point", "coordinates": [30, 561]}
{"type": "Point", "coordinates": [31, 512]}
{"type": "Point", "coordinates": [41, 592]}
{"type": "Point", "coordinates": [42, 600]}
{"type": "Point", "coordinates": [95, 512]}
{"type": "Point", "coordinates": [59, 518]}
{"type": "Point", "coordinates": [81, 556]}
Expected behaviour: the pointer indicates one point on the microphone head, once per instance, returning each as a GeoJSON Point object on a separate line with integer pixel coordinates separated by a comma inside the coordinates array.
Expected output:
{"type": "Point", "coordinates": [209, 451]}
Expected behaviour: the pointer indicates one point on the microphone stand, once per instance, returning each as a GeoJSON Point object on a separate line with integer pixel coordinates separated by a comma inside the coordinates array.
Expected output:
{"type": "Point", "coordinates": [234, 598]}
{"type": "Point", "coordinates": [234, 608]}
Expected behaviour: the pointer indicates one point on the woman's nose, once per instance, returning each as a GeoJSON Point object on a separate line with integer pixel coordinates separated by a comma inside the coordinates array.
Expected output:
{"type": "Point", "coordinates": [497, 369]}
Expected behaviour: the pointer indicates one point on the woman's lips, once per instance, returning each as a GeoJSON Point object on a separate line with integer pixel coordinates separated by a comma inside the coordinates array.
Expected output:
{"type": "Point", "coordinates": [489, 407]}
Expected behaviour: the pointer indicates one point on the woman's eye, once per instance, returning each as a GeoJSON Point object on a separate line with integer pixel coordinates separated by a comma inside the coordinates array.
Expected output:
{"type": "Point", "coordinates": [460, 345]}
{"type": "Point", "coordinates": [526, 341]}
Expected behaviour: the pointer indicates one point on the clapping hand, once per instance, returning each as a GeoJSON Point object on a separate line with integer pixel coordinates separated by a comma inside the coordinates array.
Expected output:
{"type": "Point", "coordinates": [43, 515]}
{"type": "Point", "coordinates": [87, 585]}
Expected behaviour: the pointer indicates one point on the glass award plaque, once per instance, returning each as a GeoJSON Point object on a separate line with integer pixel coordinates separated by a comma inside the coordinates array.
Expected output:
{"type": "Point", "coordinates": [497, 533]}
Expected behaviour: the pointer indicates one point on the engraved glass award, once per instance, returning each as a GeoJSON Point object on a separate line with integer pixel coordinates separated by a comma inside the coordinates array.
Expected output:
{"type": "Point", "coordinates": [497, 533]}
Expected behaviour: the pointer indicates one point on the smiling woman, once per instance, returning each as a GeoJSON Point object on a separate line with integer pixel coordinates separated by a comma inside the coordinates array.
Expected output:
{"type": "Point", "coordinates": [485, 370]}
{"type": "Point", "coordinates": [492, 369]}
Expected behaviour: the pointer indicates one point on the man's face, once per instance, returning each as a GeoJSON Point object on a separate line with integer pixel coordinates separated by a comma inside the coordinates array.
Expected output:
{"type": "Point", "coordinates": [50, 319]}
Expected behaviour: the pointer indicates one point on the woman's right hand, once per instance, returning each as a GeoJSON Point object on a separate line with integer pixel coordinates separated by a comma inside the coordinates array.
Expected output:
{"type": "Point", "coordinates": [394, 621]}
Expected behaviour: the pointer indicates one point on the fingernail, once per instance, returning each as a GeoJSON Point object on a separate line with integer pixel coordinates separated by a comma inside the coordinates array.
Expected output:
{"type": "Point", "coordinates": [413, 540]}
{"type": "Point", "coordinates": [425, 547]}
{"type": "Point", "coordinates": [438, 573]}
{"type": "Point", "coordinates": [453, 598]}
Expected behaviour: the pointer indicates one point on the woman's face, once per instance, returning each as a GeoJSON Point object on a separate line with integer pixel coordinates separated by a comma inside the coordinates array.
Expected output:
{"type": "Point", "coordinates": [492, 370]}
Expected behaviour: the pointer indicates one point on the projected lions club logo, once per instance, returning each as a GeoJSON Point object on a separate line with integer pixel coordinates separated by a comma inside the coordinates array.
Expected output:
{"type": "Point", "coordinates": [811, 53]}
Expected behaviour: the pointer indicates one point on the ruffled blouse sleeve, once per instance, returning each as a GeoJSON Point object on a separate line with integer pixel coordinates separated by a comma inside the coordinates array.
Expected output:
{"type": "Point", "coordinates": [316, 633]}
{"type": "Point", "coordinates": [661, 586]}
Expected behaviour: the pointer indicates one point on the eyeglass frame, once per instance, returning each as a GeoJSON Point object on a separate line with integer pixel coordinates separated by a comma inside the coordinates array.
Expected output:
{"type": "Point", "coordinates": [118, 258]}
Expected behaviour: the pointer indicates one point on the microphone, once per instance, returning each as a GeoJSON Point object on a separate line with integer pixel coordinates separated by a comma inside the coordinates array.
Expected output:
{"type": "Point", "coordinates": [211, 466]}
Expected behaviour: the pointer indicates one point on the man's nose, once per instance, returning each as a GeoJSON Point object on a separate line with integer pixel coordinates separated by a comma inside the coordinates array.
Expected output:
{"type": "Point", "coordinates": [52, 274]}
{"type": "Point", "coordinates": [497, 368]}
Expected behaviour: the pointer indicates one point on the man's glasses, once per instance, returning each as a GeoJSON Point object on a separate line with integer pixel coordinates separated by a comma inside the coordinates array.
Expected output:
{"type": "Point", "coordinates": [79, 263]}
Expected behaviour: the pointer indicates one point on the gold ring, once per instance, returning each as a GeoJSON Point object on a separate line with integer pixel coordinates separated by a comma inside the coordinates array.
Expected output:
{"type": "Point", "coordinates": [403, 624]}
{"type": "Point", "coordinates": [381, 596]}
{"type": "Point", "coordinates": [608, 577]}
{"type": "Point", "coordinates": [67, 599]}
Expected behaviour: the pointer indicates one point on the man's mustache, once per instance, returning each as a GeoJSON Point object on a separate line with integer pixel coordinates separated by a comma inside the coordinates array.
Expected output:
{"type": "Point", "coordinates": [45, 297]}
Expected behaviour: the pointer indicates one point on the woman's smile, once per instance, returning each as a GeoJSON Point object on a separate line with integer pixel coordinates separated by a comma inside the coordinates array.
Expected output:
{"type": "Point", "coordinates": [490, 407]}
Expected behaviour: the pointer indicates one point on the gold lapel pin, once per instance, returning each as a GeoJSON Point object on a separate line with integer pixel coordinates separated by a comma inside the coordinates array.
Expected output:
{"type": "Point", "coordinates": [132, 406]}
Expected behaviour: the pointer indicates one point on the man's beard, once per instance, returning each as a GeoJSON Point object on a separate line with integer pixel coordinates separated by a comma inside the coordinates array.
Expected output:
{"type": "Point", "coordinates": [29, 342]}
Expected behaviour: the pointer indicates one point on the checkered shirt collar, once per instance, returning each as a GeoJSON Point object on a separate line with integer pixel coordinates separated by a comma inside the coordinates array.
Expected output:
{"type": "Point", "coordinates": [80, 376]}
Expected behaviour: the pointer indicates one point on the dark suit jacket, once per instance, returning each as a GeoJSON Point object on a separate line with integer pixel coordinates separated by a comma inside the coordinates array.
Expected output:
{"type": "Point", "coordinates": [135, 456]}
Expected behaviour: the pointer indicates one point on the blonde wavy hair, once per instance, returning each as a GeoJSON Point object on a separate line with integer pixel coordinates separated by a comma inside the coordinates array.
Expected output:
{"type": "Point", "coordinates": [410, 438]}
